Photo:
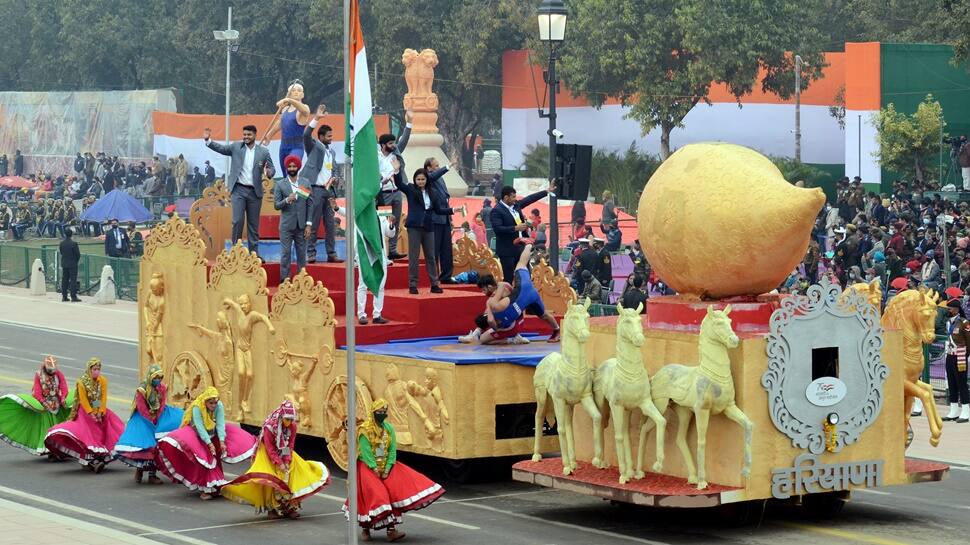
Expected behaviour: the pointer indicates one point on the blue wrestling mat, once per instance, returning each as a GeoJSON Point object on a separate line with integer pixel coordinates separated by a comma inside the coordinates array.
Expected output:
{"type": "Point", "coordinates": [450, 350]}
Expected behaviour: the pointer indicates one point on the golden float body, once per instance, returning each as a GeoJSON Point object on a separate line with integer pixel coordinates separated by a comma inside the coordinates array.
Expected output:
{"type": "Point", "coordinates": [718, 220]}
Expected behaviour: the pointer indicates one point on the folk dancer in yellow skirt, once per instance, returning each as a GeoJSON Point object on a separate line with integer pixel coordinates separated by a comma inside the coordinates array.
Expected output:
{"type": "Point", "coordinates": [279, 479]}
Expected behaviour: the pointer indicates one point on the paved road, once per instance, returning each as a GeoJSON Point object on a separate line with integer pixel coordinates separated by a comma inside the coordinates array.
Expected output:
{"type": "Point", "coordinates": [500, 511]}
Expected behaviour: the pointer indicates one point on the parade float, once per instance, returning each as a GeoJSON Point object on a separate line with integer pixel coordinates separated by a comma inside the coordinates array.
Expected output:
{"type": "Point", "coordinates": [725, 394]}
{"type": "Point", "coordinates": [721, 394]}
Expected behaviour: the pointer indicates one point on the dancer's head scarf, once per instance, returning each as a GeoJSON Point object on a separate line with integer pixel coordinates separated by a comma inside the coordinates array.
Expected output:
{"type": "Point", "coordinates": [152, 396]}
{"type": "Point", "coordinates": [208, 420]}
{"type": "Point", "coordinates": [89, 382]}
{"type": "Point", "coordinates": [48, 376]}
{"type": "Point", "coordinates": [50, 363]}
{"type": "Point", "coordinates": [370, 428]}
{"type": "Point", "coordinates": [274, 423]}
{"type": "Point", "coordinates": [91, 385]}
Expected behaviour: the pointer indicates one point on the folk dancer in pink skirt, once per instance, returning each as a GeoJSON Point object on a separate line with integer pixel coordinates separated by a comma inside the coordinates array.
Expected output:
{"type": "Point", "coordinates": [386, 488]}
{"type": "Point", "coordinates": [193, 454]}
{"type": "Point", "coordinates": [92, 430]}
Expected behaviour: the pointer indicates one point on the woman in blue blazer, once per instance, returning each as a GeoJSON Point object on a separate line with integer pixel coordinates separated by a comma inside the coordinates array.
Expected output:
{"type": "Point", "coordinates": [423, 200]}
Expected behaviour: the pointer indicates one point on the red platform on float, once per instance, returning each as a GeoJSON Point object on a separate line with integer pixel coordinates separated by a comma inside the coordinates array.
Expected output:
{"type": "Point", "coordinates": [652, 490]}
{"type": "Point", "coordinates": [663, 490]}
{"type": "Point", "coordinates": [925, 471]}
{"type": "Point", "coordinates": [749, 315]}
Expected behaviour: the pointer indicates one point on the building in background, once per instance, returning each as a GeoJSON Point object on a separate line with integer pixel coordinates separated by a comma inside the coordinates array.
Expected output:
{"type": "Point", "coordinates": [871, 74]}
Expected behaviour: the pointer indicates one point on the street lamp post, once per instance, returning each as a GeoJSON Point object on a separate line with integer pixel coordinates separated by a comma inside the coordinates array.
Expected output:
{"type": "Point", "coordinates": [229, 36]}
{"type": "Point", "coordinates": [552, 30]}
{"type": "Point", "coordinates": [798, 108]}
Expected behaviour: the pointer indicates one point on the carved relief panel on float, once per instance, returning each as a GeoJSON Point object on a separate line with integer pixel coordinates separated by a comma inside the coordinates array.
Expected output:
{"type": "Point", "coordinates": [472, 256]}
{"type": "Point", "coordinates": [172, 273]}
{"type": "Point", "coordinates": [554, 288]}
{"type": "Point", "coordinates": [220, 332]}
{"type": "Point", "coordinates": [212, 216]}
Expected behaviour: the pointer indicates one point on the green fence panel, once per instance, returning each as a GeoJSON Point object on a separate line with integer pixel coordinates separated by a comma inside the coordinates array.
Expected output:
{"type": "Point", "coordinates": [16, 261]}
{"type": "Point", "coordinates": [125, 275]}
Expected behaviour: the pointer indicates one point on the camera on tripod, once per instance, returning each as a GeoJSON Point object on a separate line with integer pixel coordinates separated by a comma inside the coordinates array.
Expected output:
{"type": "Point", "coordinates": [956, 142]}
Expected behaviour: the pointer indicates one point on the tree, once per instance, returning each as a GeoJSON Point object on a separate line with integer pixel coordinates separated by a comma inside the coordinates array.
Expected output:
{"type": "Point", "coordinates": [926, 21]}
{"type": "Point", "coordinates": [908, 144]}
{"type": "Point", "coordinates": [661, 57]}
{"type": "Point", "coordinates": [795, 171]}
{"type": "Point", "coordinates": [468, 36]}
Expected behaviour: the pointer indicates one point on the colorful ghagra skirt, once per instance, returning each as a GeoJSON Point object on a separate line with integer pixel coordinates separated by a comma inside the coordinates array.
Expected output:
{"type": "Point", "coordinates": [136, 447]}
{"type": "Point", "coordinates": [24, 421]}
{"type": "Point", "coordinates": [185, 459]}
{"type": "Point", "coordinates": [85, 439]}
{"type": "Point", "coordinates": [380, 503]}
{"type": "Point", "coordinates": [267, 488]}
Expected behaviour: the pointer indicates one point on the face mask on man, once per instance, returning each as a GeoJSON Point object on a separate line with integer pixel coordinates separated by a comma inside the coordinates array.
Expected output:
{"type": "Point", "coordinates": [156, 382]}
{"type": "Point", "coordinates": [95, 373]}
{"type": "Point", "coordinates": [380, 417]}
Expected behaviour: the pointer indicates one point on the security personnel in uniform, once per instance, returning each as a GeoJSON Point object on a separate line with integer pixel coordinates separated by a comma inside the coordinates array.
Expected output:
{"type": "Point", "coordinates": [587, 260]}
{"type": "Point", "coordinates": [604, 263]}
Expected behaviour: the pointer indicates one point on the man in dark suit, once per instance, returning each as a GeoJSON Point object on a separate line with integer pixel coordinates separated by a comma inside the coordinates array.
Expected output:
{"type": "Point", "coordinates": [442, 224]}
{"type": "Point", "coordinates": [210, 174]}
{"type": "Point", "coordinates": [245, 181]}
{"type": "Point", "coordinates": [291, 196]}
{"type": "Point", "coordinates": [509, 226]}
{"type": "Point", "coordinates": [18, 164]}
{"type": "Point", "coordinates": [320, 173]}
{"type": "Point", "coordinates": [116, 242]}
{"type": "Point", "coordinates": [390, 161]}
{"type": "Point", "coordinates": [70, 256]}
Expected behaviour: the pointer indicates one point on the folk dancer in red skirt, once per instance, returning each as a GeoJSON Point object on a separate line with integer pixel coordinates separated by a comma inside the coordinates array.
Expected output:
{"type": "Point", "coordinates": [386, 488]}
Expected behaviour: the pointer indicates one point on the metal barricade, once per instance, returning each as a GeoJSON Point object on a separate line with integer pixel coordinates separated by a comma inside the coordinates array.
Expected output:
{"type": "Point", "coordinates": [16, 262]}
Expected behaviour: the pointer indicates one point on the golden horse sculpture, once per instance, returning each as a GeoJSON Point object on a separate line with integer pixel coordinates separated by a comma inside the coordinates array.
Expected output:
{"type": "Point", "coordinates": [621, 385]}
{"type": "Point", "coordinates": [914, 313]}
{"type": "Point", "coordinates": [872, 292]}
{"type": "Point", "coordinates": [566, 379]}
{"type": "Point", "coordinates": [703, 390]}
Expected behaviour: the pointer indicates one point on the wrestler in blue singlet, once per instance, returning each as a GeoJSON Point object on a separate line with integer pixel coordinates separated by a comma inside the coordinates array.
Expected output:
{"type": "Point", "coordinates": [524, 298]}
{"type": "Point", "coordinates": [291, 136]}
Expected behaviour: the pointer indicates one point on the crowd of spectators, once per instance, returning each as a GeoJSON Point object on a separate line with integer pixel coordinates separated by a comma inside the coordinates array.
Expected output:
{"type": "Point", "coordinates": [57, 201]}
{"type": "Point", "coordinates": [905, 238]}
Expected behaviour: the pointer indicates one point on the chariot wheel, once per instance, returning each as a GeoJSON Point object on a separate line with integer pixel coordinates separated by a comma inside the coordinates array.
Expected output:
{"type": "Point", "coordinates": [188, 376]}
{"type": "Point", "coordinates": [335, 416]}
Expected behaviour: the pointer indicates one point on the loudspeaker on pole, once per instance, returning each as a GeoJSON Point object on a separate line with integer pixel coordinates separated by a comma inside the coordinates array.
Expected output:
{"type": "Point", "coordinates": [573, 163]}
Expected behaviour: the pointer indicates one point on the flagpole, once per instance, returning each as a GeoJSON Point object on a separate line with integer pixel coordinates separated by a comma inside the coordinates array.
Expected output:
{"type": "Point", "coordinates": [350, 294]}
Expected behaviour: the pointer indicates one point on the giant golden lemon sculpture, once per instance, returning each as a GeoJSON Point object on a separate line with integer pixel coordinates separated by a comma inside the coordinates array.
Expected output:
{"type": "Point", "coordinates": [718, 220]}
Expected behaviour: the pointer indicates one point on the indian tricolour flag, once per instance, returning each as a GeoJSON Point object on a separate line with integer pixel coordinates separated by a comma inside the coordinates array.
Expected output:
{"type": "Point", "coordinates": [363, 146]}
{"type": "Point", "coordinates": [302, 192]}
